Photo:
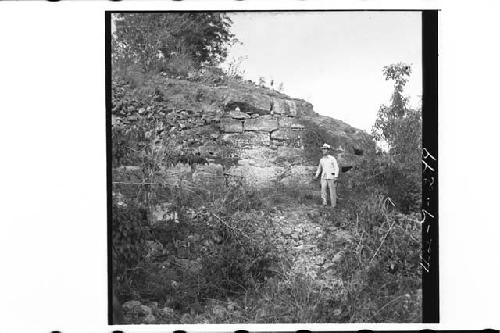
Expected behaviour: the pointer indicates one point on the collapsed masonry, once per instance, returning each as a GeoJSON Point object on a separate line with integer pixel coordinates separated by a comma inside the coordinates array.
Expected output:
{"type": "Point", "coordinates": [256, 135]}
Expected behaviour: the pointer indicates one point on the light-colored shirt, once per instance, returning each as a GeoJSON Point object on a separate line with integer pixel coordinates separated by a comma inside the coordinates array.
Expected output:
{"type": "Point", "coordinates": [328, 167]}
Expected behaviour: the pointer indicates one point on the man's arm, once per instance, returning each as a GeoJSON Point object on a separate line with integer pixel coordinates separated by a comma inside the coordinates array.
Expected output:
{"type": "Point", "coordinates": [335, 167]}
{"type": "Point", "coordinates": [318, 171]}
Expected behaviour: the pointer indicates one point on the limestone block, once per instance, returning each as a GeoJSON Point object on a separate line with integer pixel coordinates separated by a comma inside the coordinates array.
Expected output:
{"type": "Point", "coordinates": [289, 122]}
{"type": "Point", "coordinates": [247, 139]}
{"type": "Point", "coordinates": [285, 122]}
{"type": "Point", "coordinates": [256, 176]}
{"type": "Point", "coordinates": [248, 102]}
{"type": "Point", "coordinates": [229, 125]}
{"type": "Point", "coordinates": [238, 115]}
{"type": "Point", "coordinates": [209, 150]}
{"type": "Point", "coordinates": [286, 134]}
{"type": "Point", "coordinates": [279, 106]}
{"type": "Point", "coordinates": [246, 161]}
{"type": "Point", "coordinates": [266, 123]}
{"type": "Point", "coordinates": [259, 156]}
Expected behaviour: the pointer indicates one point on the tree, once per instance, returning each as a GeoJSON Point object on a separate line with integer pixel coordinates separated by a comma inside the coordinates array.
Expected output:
{"type": "Point", "coordinates": [150, 39]}
{"type": "Point", "coordinates": [400, 127]}
{"type": "Point", "coordinates": [397, 124]}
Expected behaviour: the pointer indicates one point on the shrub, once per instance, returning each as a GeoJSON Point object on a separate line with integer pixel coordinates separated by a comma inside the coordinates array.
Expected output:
{"type": "Point", "coordinates": [179, 64]}
{"type": "Point", "coordinates": [129, 227]}
{"type": "Point", "coordinates": [386, 262]}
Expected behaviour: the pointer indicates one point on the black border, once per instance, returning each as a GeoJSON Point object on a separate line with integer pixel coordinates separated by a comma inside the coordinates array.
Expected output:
{"type": "Point", "coordinates": [430, 249]}
{"type": "Point", "coordinates": [109, 152]}
{"type": "Point", "coordinates": [430, 258]}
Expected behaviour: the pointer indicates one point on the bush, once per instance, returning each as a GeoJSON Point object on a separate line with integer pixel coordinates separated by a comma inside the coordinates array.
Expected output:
{"type": "Point", "coordinates": [386, 262]}
{"type": "Point", "coordinates": [130, 231]}
{"type": "Point", "coordinates": [179, 64]}
{"type": "Point", "coordinates": [380, 174]}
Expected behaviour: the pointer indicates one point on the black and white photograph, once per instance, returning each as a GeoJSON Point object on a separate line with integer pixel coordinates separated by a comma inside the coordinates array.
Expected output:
{"type": "Point", "coordinates": [249, 166]}
{"type": "Point", "coordinates": [266, 167]}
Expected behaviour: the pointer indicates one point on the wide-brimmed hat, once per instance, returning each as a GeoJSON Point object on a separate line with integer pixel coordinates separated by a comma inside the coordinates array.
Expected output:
{"type": "Point", "coordinates": [325, 146]}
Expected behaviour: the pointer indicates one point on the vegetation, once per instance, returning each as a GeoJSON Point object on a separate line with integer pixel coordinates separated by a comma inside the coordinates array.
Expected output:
{"type": "Point", "coordinates": [217, 251]}
{"type": "Point", "coordinates": [400, 127]}
{"type": "Point", "coordinates": [231, 268]}
{"type": "Point", "coordinates": [159, 41]}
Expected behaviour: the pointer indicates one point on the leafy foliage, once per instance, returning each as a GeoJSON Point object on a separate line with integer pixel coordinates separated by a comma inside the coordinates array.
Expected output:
{"type": "Point", "coordinates": [401, 128]}
{"type": "Point", "coordinates": [156, 40]}
{"type": "Point", "coordinates": [129, 236]}
{"type": "Point", "coordinates": [397, 124]}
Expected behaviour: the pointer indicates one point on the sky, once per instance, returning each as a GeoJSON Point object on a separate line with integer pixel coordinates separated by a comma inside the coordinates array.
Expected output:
{"type": "Point", "coordinates": [332, 59]}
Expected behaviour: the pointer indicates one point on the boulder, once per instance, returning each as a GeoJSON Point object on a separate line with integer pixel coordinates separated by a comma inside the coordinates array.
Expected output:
{"type": "Point", "coordinates": [266, 123]}
{"type": "Point", "coordinates": [145, 310]}
{"type": "Point", "coordinates": [130, 305]}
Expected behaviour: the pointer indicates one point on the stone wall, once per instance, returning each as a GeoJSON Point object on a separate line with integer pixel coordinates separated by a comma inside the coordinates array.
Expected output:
{"type": "Point", "coordinates": [240, 132]}
{"type": "Point", "coordinates": [262, 141]}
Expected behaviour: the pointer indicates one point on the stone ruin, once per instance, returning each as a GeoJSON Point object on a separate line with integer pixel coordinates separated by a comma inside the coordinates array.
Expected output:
{"type": "Point", "coordinates": [245, 133]}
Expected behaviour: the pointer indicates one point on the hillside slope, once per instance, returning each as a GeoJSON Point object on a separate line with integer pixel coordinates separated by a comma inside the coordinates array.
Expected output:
{"type": "Point", "coordinates": [216, 217]}
{"type": "Point", "coordinates": [235, 130]}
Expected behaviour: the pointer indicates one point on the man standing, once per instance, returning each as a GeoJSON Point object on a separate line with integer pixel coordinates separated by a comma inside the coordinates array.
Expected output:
{"type": "Point", "coordinates": [329, 170]}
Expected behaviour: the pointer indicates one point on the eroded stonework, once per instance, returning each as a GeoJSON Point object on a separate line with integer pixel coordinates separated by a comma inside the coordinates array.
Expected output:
{"type": "Point", "coordinates": [266, 123]}
{"type": "Point", "coordinates": [242, 132]}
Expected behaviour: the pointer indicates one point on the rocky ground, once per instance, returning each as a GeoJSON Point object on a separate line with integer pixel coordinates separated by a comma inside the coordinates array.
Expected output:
{"type": "Point", "coordinates": [299, 233]}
